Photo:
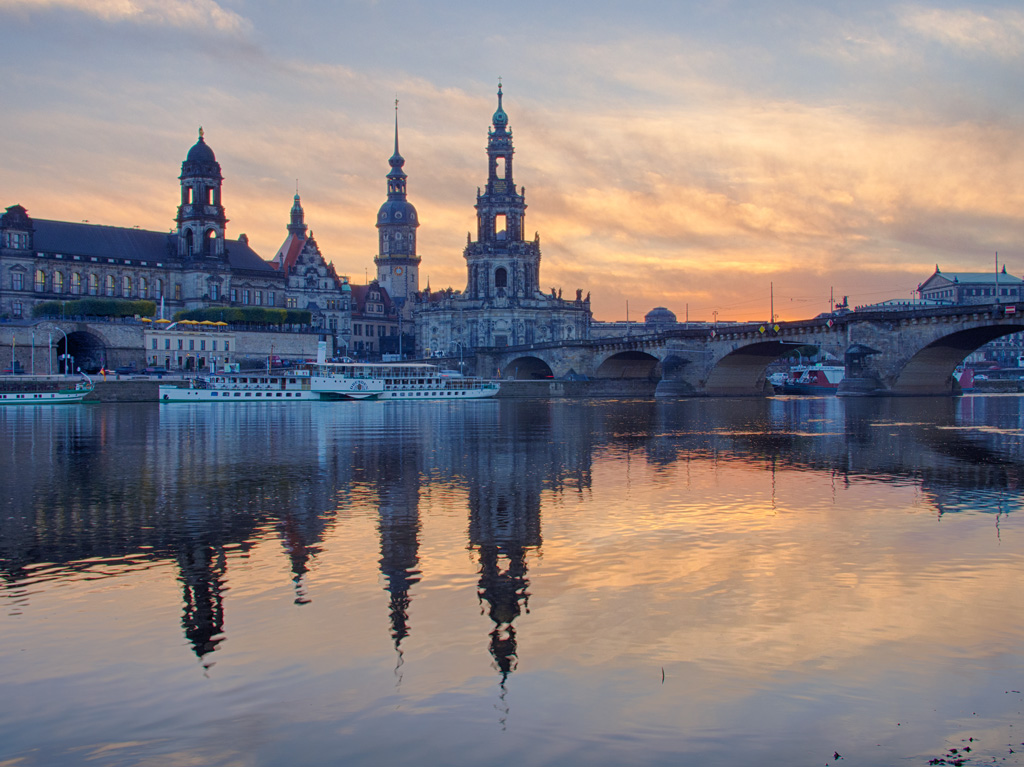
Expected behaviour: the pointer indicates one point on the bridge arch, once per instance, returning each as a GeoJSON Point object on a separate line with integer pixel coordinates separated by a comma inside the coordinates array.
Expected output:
{"type": "Point", "coordinates": [527, 368]}
{"type": "Point", "coordinates": [630, 364]}
{"type": "Point", "coordinates": [741, 371]}
{"type": "Point", "coordinates": [932, 366]}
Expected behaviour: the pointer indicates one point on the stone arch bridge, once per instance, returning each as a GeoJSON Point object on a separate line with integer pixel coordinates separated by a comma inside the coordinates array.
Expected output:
{"type": "Point", "coordinates": [906, 352]}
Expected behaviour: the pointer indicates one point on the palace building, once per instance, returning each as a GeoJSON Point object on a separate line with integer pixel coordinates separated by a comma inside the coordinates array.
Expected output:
{"type": "Point", "coordinates": [193, 266]}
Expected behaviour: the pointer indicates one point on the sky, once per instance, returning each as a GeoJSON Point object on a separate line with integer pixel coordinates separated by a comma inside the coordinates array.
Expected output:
{"type": "Point", "coordinates": [718, 158]}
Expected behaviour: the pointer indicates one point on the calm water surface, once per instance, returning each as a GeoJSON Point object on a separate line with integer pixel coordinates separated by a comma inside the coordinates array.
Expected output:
{"type": "Point", "coordinates": [723, 582]}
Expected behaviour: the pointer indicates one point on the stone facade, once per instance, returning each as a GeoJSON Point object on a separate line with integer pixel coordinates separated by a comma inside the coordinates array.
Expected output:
{"type": "Point", "coordinates": [503, 304]}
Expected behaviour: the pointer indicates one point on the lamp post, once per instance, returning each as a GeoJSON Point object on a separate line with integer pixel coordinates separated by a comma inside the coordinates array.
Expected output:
{"type": "Point", "coordinates": [65, 355]}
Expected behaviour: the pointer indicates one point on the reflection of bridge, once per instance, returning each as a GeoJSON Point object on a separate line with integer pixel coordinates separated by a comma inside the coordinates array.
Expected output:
{"type": "Point", "coordinates": [886, 352]}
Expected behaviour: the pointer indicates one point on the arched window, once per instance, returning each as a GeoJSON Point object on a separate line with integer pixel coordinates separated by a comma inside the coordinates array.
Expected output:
{"type": "Point", "coordinates": [40, 281]}
{"type": "Point", "coordinates": [208, 242]}
{"type": "Point", "coordinates": [500, 278]}
{"type": "Point", "coordinates": [159, 292]}
{"type": "Point", "coordinates": [76, 284]}
{"type": "Point", "coordinates": [94, 285]}
{"type": "Point", "coordinates": [143, 287]}
{"type": "Point", "coordinates": [58, 282]}
{"type": "Point", "coordinates": [110, 286]}
{"type": "Point", "coordinates": [189, 242]}
{"type": "Point", "coordinates": [126, 287]}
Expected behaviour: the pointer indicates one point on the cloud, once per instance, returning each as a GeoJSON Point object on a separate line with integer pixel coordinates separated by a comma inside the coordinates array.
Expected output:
{"type": "Point", "coordinates": [198, 14]}
{"type": "Point", "coordinates": [998, 33]}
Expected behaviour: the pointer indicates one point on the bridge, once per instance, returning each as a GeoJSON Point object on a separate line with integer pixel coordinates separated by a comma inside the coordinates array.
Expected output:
{"type": "Point", "coordinates": [886, 352]}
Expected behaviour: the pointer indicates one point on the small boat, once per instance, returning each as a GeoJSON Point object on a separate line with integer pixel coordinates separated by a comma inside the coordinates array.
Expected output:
{"type": "Point", "coordinates": [332, 381]}
{"type": "Point", "coordinates": [820, 378]}
{"type": "Point", "coordinates": [31, 392]}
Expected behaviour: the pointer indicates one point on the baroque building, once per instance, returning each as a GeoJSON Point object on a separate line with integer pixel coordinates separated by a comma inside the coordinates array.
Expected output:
{"type": "Point", "coordinates": [194, 266]}
{"type": "Point", "coordinates": [503, 304]}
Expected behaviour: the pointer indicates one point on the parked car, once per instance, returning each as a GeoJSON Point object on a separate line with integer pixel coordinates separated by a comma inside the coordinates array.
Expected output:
{"type": "Point", "coordinates": [126, 370]}
{"type": "Point", "coordinates": [159, 372]}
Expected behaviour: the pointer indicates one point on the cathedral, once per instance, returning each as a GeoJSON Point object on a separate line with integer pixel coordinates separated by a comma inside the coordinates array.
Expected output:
{"type": "Point", "coordinates": [502, 304]}
{"type": "Point", "coordinates": [196, 265]}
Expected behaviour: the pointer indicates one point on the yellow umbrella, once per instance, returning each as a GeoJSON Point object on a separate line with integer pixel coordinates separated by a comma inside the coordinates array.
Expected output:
{"type": "Point", "coordinates": [221, 323]}
{"type": "Point", "coordinates": [146, 319]}
{"type": "Point", "coordinates": [162, 320]}
{"type": "Point", "coordinates": [206, 322]}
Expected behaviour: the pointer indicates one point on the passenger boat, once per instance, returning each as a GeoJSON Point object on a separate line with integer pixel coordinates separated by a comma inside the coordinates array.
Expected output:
{"type": "Point", "coordinates": [332, 381]}
{"type": "Point", "coordinates": [29, 392]}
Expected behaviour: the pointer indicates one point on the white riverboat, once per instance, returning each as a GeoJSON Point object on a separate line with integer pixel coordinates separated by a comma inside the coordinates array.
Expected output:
{"type": "Point", "coordinates": [36, 393]}
{"type": "Point", "coordinates": [332, 381]}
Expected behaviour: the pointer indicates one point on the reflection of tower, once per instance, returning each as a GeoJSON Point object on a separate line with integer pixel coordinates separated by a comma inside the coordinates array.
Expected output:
{"type": "Point", "coordinates": [399, 529]}
{"type": "Point", "coordinates": [504, 525]}
{"type": "Point", "coordinates": [298, 537]}
{"type": "Point", "coordinates": [202, 577]}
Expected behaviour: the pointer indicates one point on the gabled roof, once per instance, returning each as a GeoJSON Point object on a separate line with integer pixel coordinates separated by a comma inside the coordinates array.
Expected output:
{"type": "Point", "coordinates": [241, 256]}
{"type": "Point", "coordinates": [288, 253]}
{"type": "Point", "coordinates": [942, 279]}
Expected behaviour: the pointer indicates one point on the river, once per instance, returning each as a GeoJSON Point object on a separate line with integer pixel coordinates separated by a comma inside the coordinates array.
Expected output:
{"type": "Point", "coordinates": [799, 581]}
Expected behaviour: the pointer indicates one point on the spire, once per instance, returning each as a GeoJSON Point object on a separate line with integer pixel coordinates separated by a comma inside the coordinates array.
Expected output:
{"type": "Point", "coordinates": [396, 178]}
{"type": "Point", "coordinates": [298, 217]}
{"type": "Point", "coordinates": [500, 119]}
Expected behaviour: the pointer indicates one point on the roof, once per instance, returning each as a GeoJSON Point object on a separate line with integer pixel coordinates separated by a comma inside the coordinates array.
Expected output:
{"type": "Point", "coordinates": [969, 278]}
{"type": "Point", "coordinates": [95, 241]}
{"type": "Point", "coordinates": [102, 241]}
{"type": "Point", "coordinates": [288, 253]}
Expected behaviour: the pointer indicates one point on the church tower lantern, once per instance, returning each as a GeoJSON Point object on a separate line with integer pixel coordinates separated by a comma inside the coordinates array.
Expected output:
{"type": "Point", "coordinates": [201, 219]}
{"type": "Point", "coordinates": [396, 259]}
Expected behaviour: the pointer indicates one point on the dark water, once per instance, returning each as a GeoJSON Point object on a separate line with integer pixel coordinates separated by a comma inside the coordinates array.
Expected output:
{"type": "Point", "coordinates": [724, 582]}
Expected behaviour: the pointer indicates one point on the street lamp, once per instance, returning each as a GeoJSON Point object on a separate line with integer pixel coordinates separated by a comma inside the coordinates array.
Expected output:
{"type": "Point", "coordinates": [65, 355]}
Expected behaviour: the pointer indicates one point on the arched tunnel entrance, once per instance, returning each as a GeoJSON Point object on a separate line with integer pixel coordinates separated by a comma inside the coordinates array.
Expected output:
{"type": "Point", "coordinates": [83, 350]}
{"type": "Point", "coordinates": [528, 369]}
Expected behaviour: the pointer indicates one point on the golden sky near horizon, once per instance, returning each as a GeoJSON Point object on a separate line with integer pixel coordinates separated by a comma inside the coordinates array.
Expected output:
{"type": "Point", "coordinates": [695, 156]}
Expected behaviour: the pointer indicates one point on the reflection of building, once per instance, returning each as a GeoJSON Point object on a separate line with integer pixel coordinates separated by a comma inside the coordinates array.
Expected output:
{"type": "Point", "coordinates": [202, 569]}
{"type": "Point", "coordinates": [399, 529]}
{"type": "Point", "coordinates": [503, 304]}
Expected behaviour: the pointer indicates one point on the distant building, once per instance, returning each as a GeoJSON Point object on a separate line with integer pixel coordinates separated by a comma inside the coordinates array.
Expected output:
{"type": "Point", "coordinates": [971, 287]}
{"type": "Point", "coordinates": [503, 304]}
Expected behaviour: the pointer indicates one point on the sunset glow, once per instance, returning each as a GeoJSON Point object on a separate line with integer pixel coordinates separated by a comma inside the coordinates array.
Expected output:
{"type": "Point", "coordinates": [688, 156]}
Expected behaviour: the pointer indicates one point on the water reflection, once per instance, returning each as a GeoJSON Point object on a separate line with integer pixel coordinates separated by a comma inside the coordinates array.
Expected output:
{"type": "Point", "coordinates": [107, 491]}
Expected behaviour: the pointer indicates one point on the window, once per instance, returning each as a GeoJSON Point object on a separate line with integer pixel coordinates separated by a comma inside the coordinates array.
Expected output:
{"type": "Point", "coordinates": [215, 345]}
{"type": "Point", "coordinates": [290, 303]}
{"type": "Point", "coordinates": [181, 343]}
{"type": "Point", "coordinates": [214, 291]}
{"type": "Point", "coordinates": [76, 284]}
{"type": "Point", "coordinates": [227, 346]}
{"type": "Point", "coordinates": [500, 278]}
{"type": "Point", "coordinates": [40, 283]}
{"type": "Point", "coordinates": [177, 291]}
{"type": "Point", "coordinates": [357, 329]}
{"type": "Point", "coordinates": [143, 287]}
{"type": "Point", "coordinates": [109, 285]}
{"type": "Point", "coordinates": [167, 343]}
{"type": "Point", "coordinates": [271, 300]}
{"type": "Point", "coordinates": [126, 287]}
{"type": "Point", "coordinates": [234, 295]}
{"type": "Point", "coordinates": [258, 300]}
{"type": "Point", "coordinates": [58, 282]}
{"type": "Point", "coordinates": [191, 344]}
{"type": "Point", "coordinates": [245, 297]}
{"type": "Point", "coordinates": [17, 281]}
{"type": "Point", "coordinates": [159, 290]}
{"type": "Point", "coordinates": [16, 308]}
{"type": "Point", "coordinates": [154, 343]}
{"type": "Point", "coordinates": [380, 331]}
{"type": "Point", "coordinates": [202, 345]}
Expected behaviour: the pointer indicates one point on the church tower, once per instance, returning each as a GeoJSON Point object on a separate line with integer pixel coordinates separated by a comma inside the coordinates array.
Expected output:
{"type": "Point", "coordinates": [396, 259]}
{"type": "Point", "coordinates": [500, 263]}
{"type": "Point", "coordinates": [201, 219]}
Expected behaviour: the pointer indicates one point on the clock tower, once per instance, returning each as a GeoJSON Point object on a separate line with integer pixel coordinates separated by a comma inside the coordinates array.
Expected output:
{"type": "Point", "coordinates": [396, 259]}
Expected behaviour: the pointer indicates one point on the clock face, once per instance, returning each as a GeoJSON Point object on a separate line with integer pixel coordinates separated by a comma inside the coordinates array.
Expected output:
{"type": "Point", "coordinates": [399, 270]}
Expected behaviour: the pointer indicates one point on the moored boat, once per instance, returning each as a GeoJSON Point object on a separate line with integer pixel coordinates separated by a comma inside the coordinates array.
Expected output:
{"type": "Point", "coordinates": [32, 392]}
{"type": "Point", "coordinates": [819, 378]}
{"type": "Point", "coordinates": [332, 381]}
